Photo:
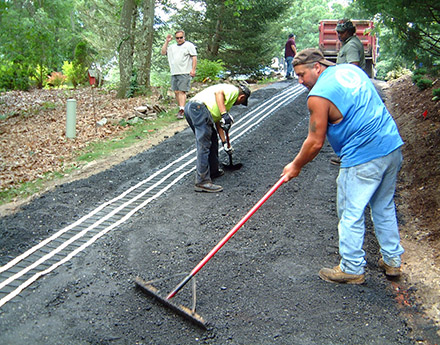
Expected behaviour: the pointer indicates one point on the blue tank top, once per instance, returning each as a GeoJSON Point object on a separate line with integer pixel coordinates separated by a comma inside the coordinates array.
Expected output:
{"type": "Point", "coordinates": [367, 130]}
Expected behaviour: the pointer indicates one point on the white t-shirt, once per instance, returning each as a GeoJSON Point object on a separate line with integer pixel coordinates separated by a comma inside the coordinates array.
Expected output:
{"type": "Point", "coordinates": [180, 57]}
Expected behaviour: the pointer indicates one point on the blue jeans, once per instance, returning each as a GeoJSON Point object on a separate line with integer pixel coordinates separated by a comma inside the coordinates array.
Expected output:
{"type": "Point", "coordinates": [372, 183]}
{"type": "Point", "coordinates": [289, 68]}
{"type": "Point", "coordinates": [200, 120]}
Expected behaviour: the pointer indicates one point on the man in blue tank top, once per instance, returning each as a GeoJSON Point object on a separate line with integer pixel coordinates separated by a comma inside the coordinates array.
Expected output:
{"type": "Point", "coordinates": [346, 108]}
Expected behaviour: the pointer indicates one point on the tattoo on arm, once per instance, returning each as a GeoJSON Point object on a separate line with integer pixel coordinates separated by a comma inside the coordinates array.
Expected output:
{"type": "Point", "coordinates": [313, 127]}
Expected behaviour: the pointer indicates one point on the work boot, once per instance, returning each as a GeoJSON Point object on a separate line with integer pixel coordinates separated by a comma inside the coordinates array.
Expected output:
{"type": "Point", "coordinates": [218, 173]}
{"type": "Point", "coordinates": [389, 270]}
{"type": "Point", "coordinates": [335, 275]}
{"type": "Point", "coordinates": [208, 187]}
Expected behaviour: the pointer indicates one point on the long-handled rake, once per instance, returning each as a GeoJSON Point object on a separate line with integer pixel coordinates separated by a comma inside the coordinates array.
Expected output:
{"type": "Point", "coordinates": [182, 310]}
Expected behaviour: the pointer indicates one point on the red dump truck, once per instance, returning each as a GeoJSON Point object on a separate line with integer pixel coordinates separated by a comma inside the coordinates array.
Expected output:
{"type": "Point", "coordinates": [330, 44]}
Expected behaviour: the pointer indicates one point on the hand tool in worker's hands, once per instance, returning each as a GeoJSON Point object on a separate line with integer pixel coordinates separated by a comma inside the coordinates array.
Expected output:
{"type": "Point", "coordinates": [229, 151]}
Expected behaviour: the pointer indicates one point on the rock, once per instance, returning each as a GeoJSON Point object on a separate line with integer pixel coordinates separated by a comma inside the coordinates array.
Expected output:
{"type": "Point", "coordinates": [102, 122]}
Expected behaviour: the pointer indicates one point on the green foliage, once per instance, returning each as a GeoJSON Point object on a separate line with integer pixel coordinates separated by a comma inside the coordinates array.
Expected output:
{"type": "Point", "coordinates": [112, 78]}
{"type": "Point", "coordinates": [235, 33]}
{"type": "Point", "coordinates": [40, 76]}
{"type": "Point", "coordinates": [303, 21]}
{"type": "Point", "coordinates": [14, 76]}
{"type": "Point", "coordinates": [133, 87]}
{"type": "Point", "coordinates": [80, 65]}
{"type": "Point", "coordinates": [162, 81]}
{"type": "Point", "coordinates": [68, 71]}
{"type": "Point", "coordinates": [36, 35]}
{"type": "Point", "coordinates": [424, 83]}
{"type": "Point", "coordinates": [397, 73]}
{"type": "Point", "coordinates": [209, 70]}
{"type": "Point", "coordinates": [436, 92]}
{"type": "Point", "coordinates": [75, 72]}
{"type": "Point", "coordinates": [419, 75]}
{"type": "Point", "coordinates": [415, 26]}
{"type": "Point", "coordinates": [100, 26]}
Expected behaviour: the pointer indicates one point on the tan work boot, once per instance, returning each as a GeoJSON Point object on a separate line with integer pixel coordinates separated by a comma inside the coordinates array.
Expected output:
{"type": "Point", "coordinates": [335, 275]}
{"type": "Point", "coordinates": [208, 187]}
{"type": "Point", "coordinates": [389, 270]}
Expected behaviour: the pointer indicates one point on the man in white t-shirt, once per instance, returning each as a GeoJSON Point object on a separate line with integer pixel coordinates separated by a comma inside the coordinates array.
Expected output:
{"type": "Point", "coordinates": [182, 58]}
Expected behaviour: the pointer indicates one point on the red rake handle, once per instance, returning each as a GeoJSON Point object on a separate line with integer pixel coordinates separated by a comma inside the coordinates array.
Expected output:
{"type": "Point", "coordinates": [226, 238]}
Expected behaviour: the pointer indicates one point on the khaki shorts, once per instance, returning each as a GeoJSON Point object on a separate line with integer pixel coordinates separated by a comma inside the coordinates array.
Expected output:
{"type": "Point", "coordinates": [181, 82]}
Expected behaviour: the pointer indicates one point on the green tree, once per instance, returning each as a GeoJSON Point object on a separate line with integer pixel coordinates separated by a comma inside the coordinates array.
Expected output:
{"type": "Point", "coordinates": [302, 19]}
{"type": "Point", "coordinates": [234, 32]}
{"type": "Point", "coordinates": [415, 25]}
{"type": "Point", "coordinates": [121, 30]}
{"type": "Point", "coordinates": [36, 36]}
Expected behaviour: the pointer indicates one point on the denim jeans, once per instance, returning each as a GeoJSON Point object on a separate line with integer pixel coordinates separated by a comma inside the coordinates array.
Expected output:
{"type": "Point", "coordinates": [200, 120]}
{"type": "Point", "coordinates": [372, 183]}
{"type": "Point", "coordinates": [289, 69]}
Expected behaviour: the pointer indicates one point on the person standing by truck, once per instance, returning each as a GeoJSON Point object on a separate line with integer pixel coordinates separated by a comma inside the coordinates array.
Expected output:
{"type": "Point", "coordinates": [289, 54]}
{"type": "Point", "coordinates": [352, 50]}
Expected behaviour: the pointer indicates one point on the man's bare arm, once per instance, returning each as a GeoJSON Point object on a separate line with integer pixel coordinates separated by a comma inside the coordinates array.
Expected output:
{"type": "Point", "coordinates": [319, 111]}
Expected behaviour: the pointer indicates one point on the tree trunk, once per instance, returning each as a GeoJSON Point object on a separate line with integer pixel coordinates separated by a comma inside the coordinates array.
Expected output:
{"type": "Point", "coordinates": [145, 46]}
{"type": "Point", "coordinates": [214, 42]}
{"type": "Point", "coordinates": [126, 47]}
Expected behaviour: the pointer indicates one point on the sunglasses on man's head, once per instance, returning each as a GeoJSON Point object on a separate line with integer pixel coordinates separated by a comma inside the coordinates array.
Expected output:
{"type": "Point", "coordinates": [179, 38]}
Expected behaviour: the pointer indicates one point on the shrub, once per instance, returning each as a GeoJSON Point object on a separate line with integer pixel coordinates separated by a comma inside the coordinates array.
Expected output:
{"type": "Point", "coordinates": [40, 76]}
{"type": "Point", "coordinates": [56, 79]}
{"type": "Point", "coordinates": [14, 76]}
{"type": "Point", "coordinates": [415, 78]}
{"type": "Point", "coordinates": [390, 69]}
{"type": "Point", "coordinates": [76, 75]}
{"type": "Point", "coordinates": [209, 70]}
{"type": "Point", "coordinates": [418, 74]}
{"type": "Point", "coordinates": [420, 71]}
{"type": "Point", "coordinates": [69, 71]}
{"type": "Point", "coordinates": [436, 94]}
{"type": "Point", "coordinates": [397, 73]}
{"type": "Point", "coordinates": [424, 83]}
{"type": "Point", "coordinates": [76, 71]}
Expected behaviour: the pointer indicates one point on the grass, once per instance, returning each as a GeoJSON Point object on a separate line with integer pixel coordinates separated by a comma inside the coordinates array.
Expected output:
{"type": "Point", "coordinates": [29, 188]}
{"type": "Point", "coordinates": [93, 151]}
{"type": "Point", "coordinates": [139, 131]}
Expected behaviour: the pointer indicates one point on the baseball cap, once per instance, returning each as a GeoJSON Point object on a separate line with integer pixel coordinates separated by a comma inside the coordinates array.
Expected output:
{"type": "Point", "coordinates": [344, 25]}
{"type": "Point", "coordinates": [246, 92]}
{"type": "Point", "coordinates": [310, 55]}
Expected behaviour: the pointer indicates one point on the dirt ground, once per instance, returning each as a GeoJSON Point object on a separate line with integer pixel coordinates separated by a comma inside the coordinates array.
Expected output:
{"type": "Point", "coordinates": [417, 196]}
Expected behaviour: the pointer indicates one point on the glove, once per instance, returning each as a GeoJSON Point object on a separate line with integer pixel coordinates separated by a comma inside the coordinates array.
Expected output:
{"type": "Point", "coordinates": [227, 149]}
{"type": "Point", "coordinates": [226, 121]}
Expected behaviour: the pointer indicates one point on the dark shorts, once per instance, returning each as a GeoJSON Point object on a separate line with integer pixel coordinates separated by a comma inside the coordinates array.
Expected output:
{"type": "Point", "coordinates": [181, 82]}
